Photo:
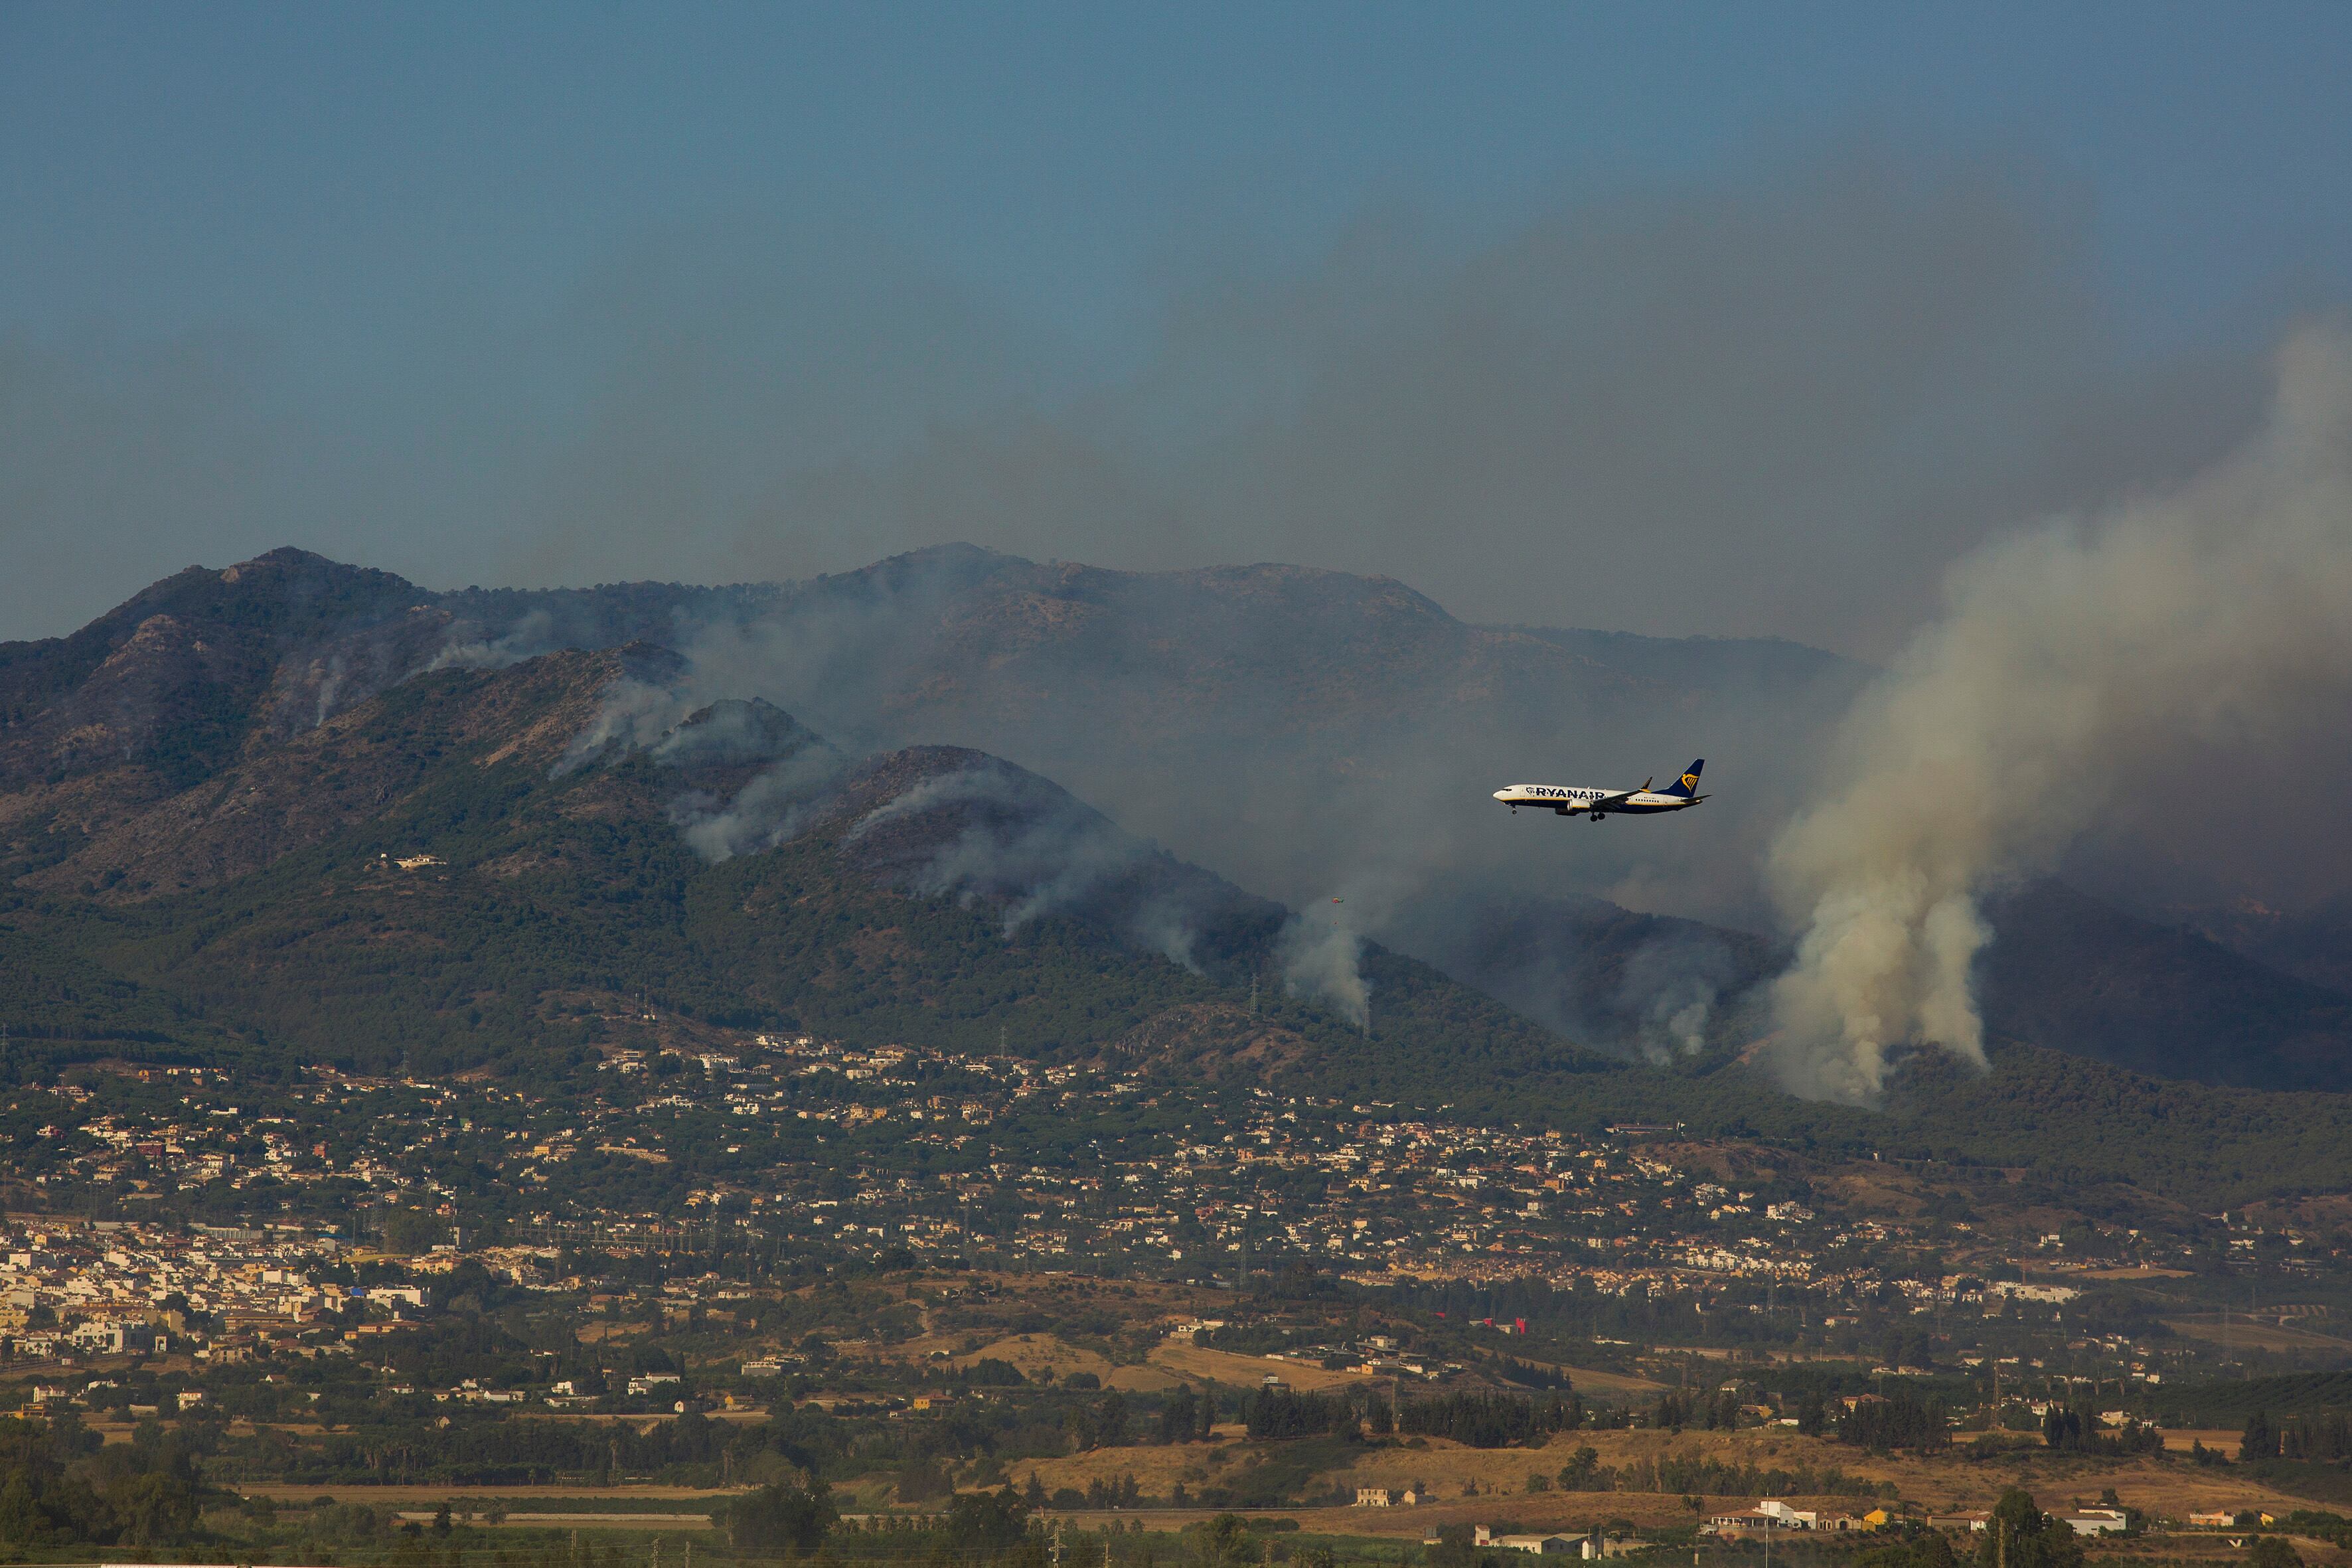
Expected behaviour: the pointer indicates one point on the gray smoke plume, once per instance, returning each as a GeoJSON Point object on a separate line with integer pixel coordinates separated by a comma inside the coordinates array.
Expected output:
{"type": "Point", "coordinates": [1035, 852]}
{"type": "Point", "coordinates": [531, 634]}
{"type": "Point", "coordinates": [635, 714]}
{"type": "Point", "coordinates": [1043, 864]}
{"type": "Point", "coordinates": [1647, 987]}
{"type": "Point", "coordinates": [1672, 986]}
{"type": "Point", "coordinates": [774, 805]}
{"type": "Point", "coordinates": [1322, 961]}
{"type": "Point", "coordinates": [2067, 662]}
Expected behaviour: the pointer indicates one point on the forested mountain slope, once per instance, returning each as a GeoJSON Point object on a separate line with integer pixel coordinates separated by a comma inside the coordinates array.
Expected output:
{"type": "Point", "coordinates": [443, 876]}
{"type": "Point", "coordinates": [468, 862]}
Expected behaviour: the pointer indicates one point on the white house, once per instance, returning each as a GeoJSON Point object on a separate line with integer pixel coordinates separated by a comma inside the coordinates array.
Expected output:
{"type": "Point", "coordinates": [2096, 1522]}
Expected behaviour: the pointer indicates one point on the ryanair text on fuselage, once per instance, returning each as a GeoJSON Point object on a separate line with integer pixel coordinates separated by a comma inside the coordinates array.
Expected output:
{"type": "Point", "coordinates": [1568, 800]}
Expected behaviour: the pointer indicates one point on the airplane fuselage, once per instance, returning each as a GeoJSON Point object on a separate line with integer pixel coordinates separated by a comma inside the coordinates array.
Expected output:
{"type": "Point", "coordinates": [1569, 799]}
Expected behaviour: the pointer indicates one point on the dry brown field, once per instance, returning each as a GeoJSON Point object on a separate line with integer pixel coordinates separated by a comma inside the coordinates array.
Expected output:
{"type": "Point", "coordinates": [1942, 1485]}
{"type": "Point", "coordinates": [2168, 1490]}
{"type": "Point", "coordinates": [1190, 1361]}
{"type": "Point", "coordinates": [2258, 1336]}
{"type": "Point", "coordinates": [1592, 1379]}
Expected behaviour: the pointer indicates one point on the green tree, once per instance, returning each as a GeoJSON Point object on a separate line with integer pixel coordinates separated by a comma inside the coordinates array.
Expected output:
{"type": "Point", "coordinates": [414, 1230]}
{"type": "Point", "coordinates": [20, 1513]}
{"type": "Point", "coordinates": [2020, 1535]}
{"type": "Point", "coordinates": [1924, 1549]}
{"type": "Point", "coordinates": [156, 1509]}
{"type": "Point", "coordinates": [986, 1522]}
{"type": "Point", "coordinates": [1582, 1471]}
{"type": "Point", "coordinates": [779, 1520]}
{"type": "Point", "coordinates": [2275, 1551]}
{"type": "Point", "coordinates": [1226, 1544]}
{"type": "Point", "coordinates": [1455, 1548]}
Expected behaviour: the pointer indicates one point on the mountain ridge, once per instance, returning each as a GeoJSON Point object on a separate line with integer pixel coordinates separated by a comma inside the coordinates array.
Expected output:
{"type": "Point", "coordinates": [252, 754]}
{"type": "Point", "coordinates": [518, 908]}
{"type": "Point", "coordinates": [447, 877]}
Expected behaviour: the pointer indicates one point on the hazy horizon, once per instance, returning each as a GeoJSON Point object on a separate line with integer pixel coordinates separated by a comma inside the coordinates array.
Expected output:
{"type": "Point", "coordinates": [1727, 324]}
{"type": "Point", "coordinates": [2000, 349]}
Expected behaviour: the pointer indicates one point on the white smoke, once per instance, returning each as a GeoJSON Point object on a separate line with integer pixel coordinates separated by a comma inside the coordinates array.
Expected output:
{"type": "Point", "coordinates": [330, 685]}
{"type": "Point", "coordinates": [634, 714]}
{"type": "Point", "coordinates": [773, 809]}
{"type": "Point", "coordinates": [531, 634]}
{"type": "Point", "coordinates": [1039, 853]}
{"type": "Point", "coordinates": [1322, 958]}
{"type": "Point", "coordinates": [2066, 661]}
{"type": "Point", "coordinates": [1670, 986]}
{"type": "Point", "coordinates": [775, 805]}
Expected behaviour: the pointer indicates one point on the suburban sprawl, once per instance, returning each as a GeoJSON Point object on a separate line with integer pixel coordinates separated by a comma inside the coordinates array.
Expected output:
{"type": "Point", "coordinates": [887, 1289]}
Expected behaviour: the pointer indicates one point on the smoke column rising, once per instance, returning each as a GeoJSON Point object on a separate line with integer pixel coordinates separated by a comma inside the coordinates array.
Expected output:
{"type": "Point", "coordinates": [1322, 958]}
{"type": "Point", "coordinates": [2064, 660]}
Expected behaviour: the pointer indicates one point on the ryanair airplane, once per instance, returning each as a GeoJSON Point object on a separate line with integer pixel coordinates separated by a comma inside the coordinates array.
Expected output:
{"type": "Point", "coordinates": [1567, 800]}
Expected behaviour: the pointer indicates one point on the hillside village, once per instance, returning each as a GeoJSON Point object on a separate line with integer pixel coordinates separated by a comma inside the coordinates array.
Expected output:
{"type": "Point", "coordinates": [1075, 1255]}
{"type": "Point", "coordinates": [807, 1148]}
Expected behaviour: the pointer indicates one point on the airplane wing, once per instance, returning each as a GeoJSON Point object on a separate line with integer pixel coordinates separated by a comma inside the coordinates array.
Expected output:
{"type": "Point", "coordinates": [1606, 801]}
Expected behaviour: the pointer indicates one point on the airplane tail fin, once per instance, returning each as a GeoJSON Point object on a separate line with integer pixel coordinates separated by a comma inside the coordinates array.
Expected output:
{"type": "Point", "coordinates": [1687, 785]}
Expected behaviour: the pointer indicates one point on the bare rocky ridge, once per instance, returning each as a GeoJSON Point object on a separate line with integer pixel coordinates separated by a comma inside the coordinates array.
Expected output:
{"type": "Point", "coordinates": [173, 676]}
{"type": "Point", "coordinates": [347, 770]}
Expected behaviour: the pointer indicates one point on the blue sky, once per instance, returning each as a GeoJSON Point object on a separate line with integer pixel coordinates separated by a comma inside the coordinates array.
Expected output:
{"type": "Point", "coordinates": [351, 277]}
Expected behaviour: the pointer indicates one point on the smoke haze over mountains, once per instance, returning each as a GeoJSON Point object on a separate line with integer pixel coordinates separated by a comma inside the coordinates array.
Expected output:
{"type": "Point", "coordinates": [1278, 436]}
{"type": "Point", "coordinates": [1775, 405]}
{"type": "Point", "coordinates": [1273, 723]}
